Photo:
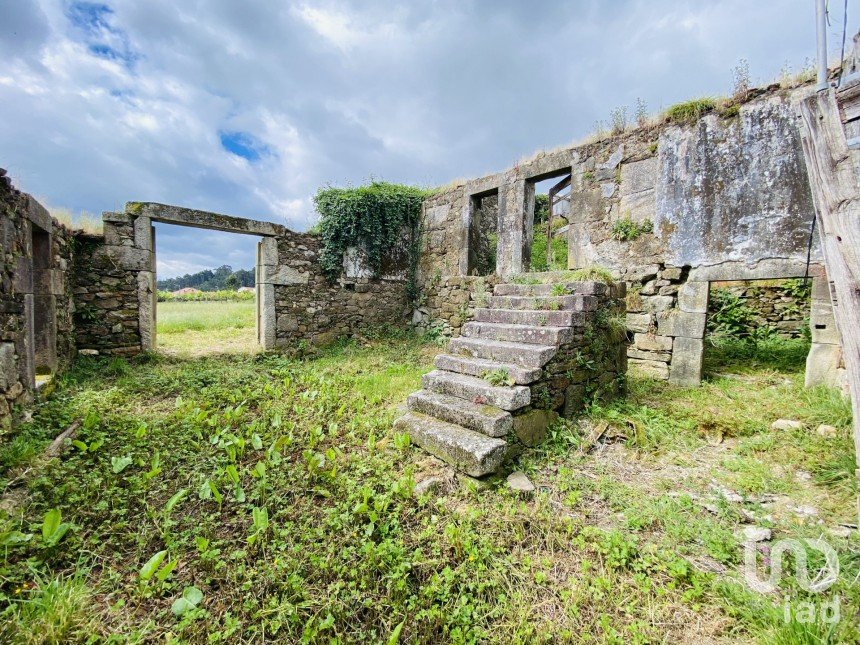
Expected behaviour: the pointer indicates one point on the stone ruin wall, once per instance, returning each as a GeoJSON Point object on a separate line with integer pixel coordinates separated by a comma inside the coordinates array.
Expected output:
{"type": "Point", "coordinates": [36, 304]}
{"type": "Point", "coordinates": [779, 306]}
{"type": "Point", "coordinates": [310, 308]}
{"type": "Point", "coordinates": [726, 197]}
{"type": "Point", "coordinates": [97, 295]}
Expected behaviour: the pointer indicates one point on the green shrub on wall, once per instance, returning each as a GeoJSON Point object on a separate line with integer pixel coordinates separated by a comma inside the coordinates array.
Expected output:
{"type": "Point", "coordinates": [372, 218]}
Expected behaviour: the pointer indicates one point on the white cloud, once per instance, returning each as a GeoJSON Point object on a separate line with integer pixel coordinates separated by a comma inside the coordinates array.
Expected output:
{"type": "Point", "coordinates": [343, 90]}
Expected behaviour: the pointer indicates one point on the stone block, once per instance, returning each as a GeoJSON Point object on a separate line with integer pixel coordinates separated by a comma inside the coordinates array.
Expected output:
{"type": "Point", "coordinates": [656, 304]}
{"type": "Point", "coordinates": [652, 342]}
{"type": "Point", "coordinates": [268, 251]}
{"type": "Point", "coordinates": [531, 426]}
{"type": "Point", "coordinates": [125, 257]}
{"type": "Point", "coordinates": [436, 215]}
{"type": "Point", "coordinates": [267, 330]}
{"type": "Point", "coordinates": [686, 367]}
{"type": "Point", "coordinates": [681, 324]}
{"type": "Point", "coordinates": [639, 322]}
{"type": "Point", "coordinates": [645, 355]}
{"type": "Point", "coordinates": [642, 273]}
{"type": "Point", "coordinates": [143, 233]}
{"type": "Point", "coordinates": [693, 297]}
{"type": "Point", "coordinates": [8, 369]}
{"type": "Point", "coordinates": [654, 369]}
{"type": "Point", "coordinates": [822, 365]}
{"type": "Point", "coordinates": [146, 309]}
{"type": "Point", "coordinates": [467, 450]}
{"type": "Point", "coordinates": [671, 273]}
{"type": "Point", "coordinates": [282, 275]}
{"type": "Point", "coordinates": [118, 218]}
{"type": "Point", "coordinates": [22, 279]}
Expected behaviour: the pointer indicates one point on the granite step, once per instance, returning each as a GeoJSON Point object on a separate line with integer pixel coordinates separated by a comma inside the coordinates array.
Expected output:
{"type": "Point", "coordinates": [503, 351]}
{"type": "Point", "coordinates": [587, 288]}
{"type": "Point", "coordinates": [472, 388]}
{"type": "Point", "coordinates": [486, 419]}
{"type": "Point", "coordinates": [535, 318]}
{"type": "Point", "coordinates": [471, 452]}
{"type": "Point", "coordinates": [480, 366]}
{"type": "Point", "coordinates": [544, 303]}
{"type": "Point", "coordinates": [529, 334]}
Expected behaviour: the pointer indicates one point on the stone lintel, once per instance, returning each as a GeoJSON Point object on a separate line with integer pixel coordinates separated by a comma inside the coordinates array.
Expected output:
{"type": "Point", "coordinates": [766, 269]}
{"type": "Point", "coordinates": [39, 215]}
{"type": "Point", "coordinates": [204, 219]}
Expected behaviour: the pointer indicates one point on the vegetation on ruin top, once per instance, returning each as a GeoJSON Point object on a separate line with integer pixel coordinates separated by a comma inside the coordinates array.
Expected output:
{"type": "Point", "coordinates": [371, 218]}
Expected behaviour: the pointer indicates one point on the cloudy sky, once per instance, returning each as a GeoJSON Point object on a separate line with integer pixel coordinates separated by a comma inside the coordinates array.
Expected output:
{"type": "Point", "coordinates": [248, 107]}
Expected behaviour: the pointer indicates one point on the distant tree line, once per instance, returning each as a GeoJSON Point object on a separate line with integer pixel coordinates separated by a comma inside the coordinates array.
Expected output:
{"type": "Point", "coordinates": [210, 280]}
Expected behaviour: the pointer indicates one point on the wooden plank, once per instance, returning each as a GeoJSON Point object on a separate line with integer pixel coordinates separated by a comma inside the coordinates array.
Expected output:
{"type": "Point", "coordinates": [833, 178]}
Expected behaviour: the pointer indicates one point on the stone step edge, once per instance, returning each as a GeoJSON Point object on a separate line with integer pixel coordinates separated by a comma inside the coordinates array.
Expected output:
{"type": "Point", "coordinates": [486, 419]}
{"type": "Point", "coordinates": [469, 451]}
{"type": "Point", "coordinates": [521, 375]}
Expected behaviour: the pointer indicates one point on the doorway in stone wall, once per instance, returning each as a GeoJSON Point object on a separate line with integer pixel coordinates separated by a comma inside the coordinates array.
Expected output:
{"type": "Point", "coordinates": [758, 324]}
{"type": "Point", "coordinates": [206, 297]}
{"type": "Point", "coordinates": [483, 232]}
{"type": "Point", "coordinates": [546, 222]}
{"type": "Point", "coordinates": [44, 331]}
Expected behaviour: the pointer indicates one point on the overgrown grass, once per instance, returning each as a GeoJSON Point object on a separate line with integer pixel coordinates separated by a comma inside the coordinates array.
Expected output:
{"type": "Point", "coordinates": [195, 328]}
{"type": "Point", "coordinates": [181, 456]}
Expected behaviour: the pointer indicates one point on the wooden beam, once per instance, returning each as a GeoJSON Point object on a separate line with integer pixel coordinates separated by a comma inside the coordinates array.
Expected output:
{"type": "Point", "coordinates": [833, 179]}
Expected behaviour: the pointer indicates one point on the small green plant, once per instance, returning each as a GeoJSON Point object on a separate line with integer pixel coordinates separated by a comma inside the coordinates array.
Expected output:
{"type": "Point", "coordinates": [118, 464]}
{"type": "Point", "coordinates": [435, 333]}
{"type": "Point", "coordinates": [155, 569]}
{"type": "Point", "coordinates": [53, 528]}
{"type": "Point", "coordinates": [498, 377]}
{"type": "Point", "coordinates": [190, 598]}
{"type": "Point", "coordinates": [260, 520]}
{"type": "Point", "coordinates": [626, 230]}
{"type": "Point", "coordinates": [559, 289]}
{"type": "Point", "coordinates": [690, 111]}
{"type": "Point", "coordinates": [730, 111]}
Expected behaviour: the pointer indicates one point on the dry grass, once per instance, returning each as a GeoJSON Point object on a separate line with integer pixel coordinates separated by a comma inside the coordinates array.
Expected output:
{"type": "Point", "coordinates": [84, 221]}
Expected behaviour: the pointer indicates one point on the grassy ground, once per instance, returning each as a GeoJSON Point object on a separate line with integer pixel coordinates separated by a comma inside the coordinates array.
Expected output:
{"type": "Point", "coordinates": [276, 488]}
{"type": "Point", "coordinates": [199, 328]}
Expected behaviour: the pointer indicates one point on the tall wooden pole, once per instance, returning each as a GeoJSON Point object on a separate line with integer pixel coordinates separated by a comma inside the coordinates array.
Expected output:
{"type": "Point", "coordinates": [833, 178]}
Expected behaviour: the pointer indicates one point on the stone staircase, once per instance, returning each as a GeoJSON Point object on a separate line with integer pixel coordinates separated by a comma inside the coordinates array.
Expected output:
{"type": "Point", "coordinates": [464, 419]}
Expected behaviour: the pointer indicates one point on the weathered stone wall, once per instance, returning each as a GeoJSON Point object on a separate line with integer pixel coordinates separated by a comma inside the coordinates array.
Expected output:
{"type": "Point", "coordinates": [307, 307]}
{"type": "Point", "coordinates": [591, 364]}
{"type": "Point", "coordinates": [446, 303]}
{"type": "Point", "coordinates": [779, 305]}
{"type": "Point", "coordinates": [35, 301]}
{"type": "Point", "coordinates": [668, 209]}
{"type": "Point", "coordinates": [106, 293]}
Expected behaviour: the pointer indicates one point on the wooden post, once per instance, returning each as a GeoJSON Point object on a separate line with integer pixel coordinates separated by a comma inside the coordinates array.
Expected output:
{"type": "Point", "coordinates": [833, 179]}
